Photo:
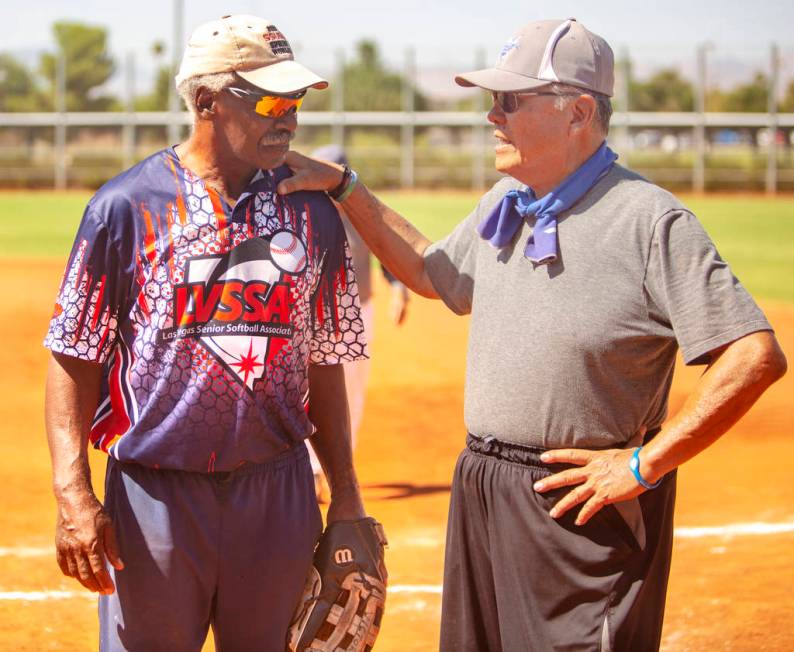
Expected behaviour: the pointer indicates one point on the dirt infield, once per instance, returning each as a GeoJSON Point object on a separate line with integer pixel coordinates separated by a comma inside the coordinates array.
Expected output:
{"type": "Point", "coordinates": [731, 585]}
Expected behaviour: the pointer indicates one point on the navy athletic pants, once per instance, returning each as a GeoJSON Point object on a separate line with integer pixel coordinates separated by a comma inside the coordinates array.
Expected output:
{"type": "Point", "coordinates": [516, 580]}
{"type": "Point", "coordinates": [231, 550]}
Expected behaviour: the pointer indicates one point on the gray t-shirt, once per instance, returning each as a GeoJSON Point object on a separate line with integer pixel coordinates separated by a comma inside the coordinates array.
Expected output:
{"type": "Point", "coordinates": [581, 352]}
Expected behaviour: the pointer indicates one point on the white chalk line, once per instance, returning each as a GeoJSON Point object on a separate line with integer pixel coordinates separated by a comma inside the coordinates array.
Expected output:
{"type": "Point", "coordinates": [414, 588]}
{"type": "Point", "coordinates": [733, 530]}
{"type": "Point", "coordinates": [758, 528]}
{"type": "Point", "coordinates": [724, 531]}
{"type": "Point", "coordinates": [23, 551]}
{"type": "Point", "coordinates": [40, 596]}
{"type": "Point", "coordinates": [729, 530]}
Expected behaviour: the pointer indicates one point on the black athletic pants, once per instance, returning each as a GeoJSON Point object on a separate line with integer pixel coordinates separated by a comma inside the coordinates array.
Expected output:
{"type": "Point", "coordinates": [519, 581]}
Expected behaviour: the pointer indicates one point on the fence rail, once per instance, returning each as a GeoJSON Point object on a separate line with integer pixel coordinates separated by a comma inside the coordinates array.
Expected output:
{"type": "Point", "coordinates": [623, 123]}
{"type": "Point", "coordinates": [393, 119]}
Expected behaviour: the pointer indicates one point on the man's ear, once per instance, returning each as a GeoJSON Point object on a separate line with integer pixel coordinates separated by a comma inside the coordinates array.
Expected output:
{"type": "Point", "coordinates": [583, 112]}
{"type": "Point", "coordinates": [205, 103]}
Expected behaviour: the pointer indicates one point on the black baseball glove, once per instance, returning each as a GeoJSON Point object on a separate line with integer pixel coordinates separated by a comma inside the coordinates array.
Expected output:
{"type": "Point", "coordinates": [342, 603]}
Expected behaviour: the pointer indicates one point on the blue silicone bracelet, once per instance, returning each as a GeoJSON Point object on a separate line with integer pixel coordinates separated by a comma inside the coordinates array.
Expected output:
{"type": "Point", "coordinates": [634, 465]}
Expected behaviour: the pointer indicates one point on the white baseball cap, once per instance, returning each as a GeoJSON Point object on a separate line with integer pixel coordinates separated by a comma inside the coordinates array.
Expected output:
{"type": "Point", "coordinates": [545, 52]}
{"type": "Point", "coordinates": [250, 46]}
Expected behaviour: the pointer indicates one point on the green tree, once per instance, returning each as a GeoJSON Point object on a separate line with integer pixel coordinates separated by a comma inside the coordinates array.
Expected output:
{"type": "Point", "coordinates": [157, 100]}
{"type": "Point", "coordinates": [787, 105]}
{"type": "Point", "coordinates": [664, 91]}
{"type": "Point", "coordinates": [88, 66]}
{"type": "Point", "coordinates": [368, 84]}
{"type": "Point", "coordinates": [715, 99]}
{"type": "Point", "coordinates": [18, 90]}
{"type": "Point", "coordinates": [750, 97]}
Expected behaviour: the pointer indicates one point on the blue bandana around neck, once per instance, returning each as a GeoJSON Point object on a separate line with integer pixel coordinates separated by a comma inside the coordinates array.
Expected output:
{"type": "Point", "coordinates": [501, 225]}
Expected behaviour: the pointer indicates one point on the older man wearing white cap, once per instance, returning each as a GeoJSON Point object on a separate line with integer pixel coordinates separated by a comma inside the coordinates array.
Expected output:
{"type": "Point", "coordinates": [583, 280]}
{"type": "Point", "coordinates": [197, 339]}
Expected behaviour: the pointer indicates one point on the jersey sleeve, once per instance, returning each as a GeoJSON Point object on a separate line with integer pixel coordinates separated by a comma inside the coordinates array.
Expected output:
{"type": "Point", "coordinates": [692, 289]}
{"type": "Point", "coordinates": [93, 293]}
{"type": "Point", "coordinates": [338, 330]}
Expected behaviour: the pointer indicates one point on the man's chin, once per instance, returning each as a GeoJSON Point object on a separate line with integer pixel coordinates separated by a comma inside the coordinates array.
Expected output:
{"type": "Point", "coordinates": [504, 165]}
{"type": "Point", "coordinates": [272, 157]}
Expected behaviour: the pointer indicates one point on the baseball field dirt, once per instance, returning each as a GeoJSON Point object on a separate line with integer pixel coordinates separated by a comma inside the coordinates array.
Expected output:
{"type": "Point", "coordinates": [732, 571]}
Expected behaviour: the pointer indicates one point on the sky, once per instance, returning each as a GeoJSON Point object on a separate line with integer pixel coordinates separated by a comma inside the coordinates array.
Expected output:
{"type": "Point", "coordinates": [446, 34]}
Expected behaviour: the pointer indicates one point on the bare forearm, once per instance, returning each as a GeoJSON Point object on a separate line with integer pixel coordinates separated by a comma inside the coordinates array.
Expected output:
{"type": "Point", "coordinates": [332, 445]}
{"type": "Point", "coordinates": [84, 536]}
{"type": "Point", "coordinates": [70, 400]}
{"type": "Point", "coordinates": [329, 414]}
{"type": "Point", "coordinates": [725, 392]}
{"type": "Point", "coordinates": [392, 238]}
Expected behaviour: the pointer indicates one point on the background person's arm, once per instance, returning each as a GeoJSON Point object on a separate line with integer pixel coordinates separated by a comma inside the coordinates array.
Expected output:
{"type": "Point", "coordinates": [329, 413]}
{"type": "Point", "coordinates": [84, 534]}
{"type": "Point", "coordinates": [390, 237]}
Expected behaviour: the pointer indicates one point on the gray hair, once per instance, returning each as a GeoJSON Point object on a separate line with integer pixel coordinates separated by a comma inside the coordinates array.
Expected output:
{"type": "Point", "coordinates": [603, 103]}
{"type": "Point", "coordinates": [214, 82]}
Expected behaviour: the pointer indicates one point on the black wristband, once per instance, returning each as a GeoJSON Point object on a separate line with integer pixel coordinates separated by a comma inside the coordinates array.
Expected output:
{"type": "Point", "coordinates": [336, 192]}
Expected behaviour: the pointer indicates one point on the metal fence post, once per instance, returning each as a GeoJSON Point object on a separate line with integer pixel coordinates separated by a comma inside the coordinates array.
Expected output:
{"type": "Point", "coordinates": [771, 154]}
{"type": "Point", "coordinates": [60, 125]}
{"type": "Point", "coordinates": [128, 130]}
{"type": "Point", "coordinates": [478, 131]}
{"type": "Point", "coordinates": [699, 166]}
{"type": "Point", "coordinates": [338, 101]}
{"type": "Point", "coordinates": [407, 128]}
{"type": "Point", "coordinates": [176, 54]}
{"type": "Point", "coordinates": [623, 98]}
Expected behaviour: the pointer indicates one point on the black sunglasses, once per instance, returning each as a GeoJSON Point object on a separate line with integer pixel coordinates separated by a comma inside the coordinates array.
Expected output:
{"type": "Point", "coordinates": [508, 101]}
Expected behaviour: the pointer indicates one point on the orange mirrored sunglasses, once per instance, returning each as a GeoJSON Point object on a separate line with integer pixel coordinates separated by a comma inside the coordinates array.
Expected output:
{"type": "Point", "coordinates": [268, 104]}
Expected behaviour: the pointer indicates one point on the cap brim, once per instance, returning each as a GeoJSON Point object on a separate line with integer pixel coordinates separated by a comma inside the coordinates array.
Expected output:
{"type": "Point", "coordinates": [494, 79]}
{"type": "Point", "coordinates": [286, 76]}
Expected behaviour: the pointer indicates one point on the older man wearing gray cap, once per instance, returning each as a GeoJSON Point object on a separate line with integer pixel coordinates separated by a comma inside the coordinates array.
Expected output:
{"type": "Point", "coordinates": [198, 339]}
{"type": "Point", "coordinates": [583, 280]}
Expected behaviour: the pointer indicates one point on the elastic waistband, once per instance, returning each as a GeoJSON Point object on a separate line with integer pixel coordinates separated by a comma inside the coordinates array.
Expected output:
{"type": "Point", "coordinates": [290, 456]}
{"type": "Point", "coordinates": [510, 452]}
{"type": "Point", "coordinates": [281, 460]}
{"type": "Point", "coordinates": [520, 454]}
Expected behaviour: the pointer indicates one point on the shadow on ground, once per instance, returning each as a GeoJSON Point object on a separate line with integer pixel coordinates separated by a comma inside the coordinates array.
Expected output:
{"type": "Point", "coordinates": [400, 490]}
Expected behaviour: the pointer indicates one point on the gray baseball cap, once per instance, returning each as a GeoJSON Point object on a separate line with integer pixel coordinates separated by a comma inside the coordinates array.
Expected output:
{"type": "Point", "coordinates": [549, 51]}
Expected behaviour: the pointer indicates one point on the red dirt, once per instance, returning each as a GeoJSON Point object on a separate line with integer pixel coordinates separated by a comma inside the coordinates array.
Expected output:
{"type": "Point", "coordinates": [725, 593]}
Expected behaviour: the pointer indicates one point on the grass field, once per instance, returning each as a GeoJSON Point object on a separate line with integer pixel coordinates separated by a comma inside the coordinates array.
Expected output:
{"type": "Point", "coordinates": [754, 234]}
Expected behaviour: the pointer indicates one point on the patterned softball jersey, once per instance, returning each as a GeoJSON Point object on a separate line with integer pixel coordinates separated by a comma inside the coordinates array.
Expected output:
{"type": "Point", "coordinates": [205, 317]}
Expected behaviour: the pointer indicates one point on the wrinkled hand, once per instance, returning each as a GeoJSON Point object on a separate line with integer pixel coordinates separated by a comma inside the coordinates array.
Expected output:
{"type": "Point", "coordinates": [398, 307]}
{"type": "Point", "coordinates": [84, 537]}
{"type": "Point", "coordinates": [346, 505]}
{"type": "Point", "coordinates": [602, 478]}
{"type": "Point", "coordinates": [309, 174]}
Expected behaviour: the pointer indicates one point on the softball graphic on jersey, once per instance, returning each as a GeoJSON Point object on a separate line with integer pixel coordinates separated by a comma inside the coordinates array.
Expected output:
{"type": "Point", "coordinates": [288, 252]}
{"type": "Point", "coordinates": [237, 305]}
